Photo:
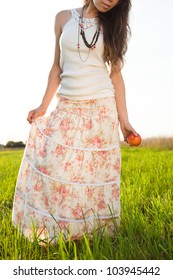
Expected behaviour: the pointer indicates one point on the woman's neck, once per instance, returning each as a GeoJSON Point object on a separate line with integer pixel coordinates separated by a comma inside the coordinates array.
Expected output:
{"type": "Point", "coordinates": [90, 11]}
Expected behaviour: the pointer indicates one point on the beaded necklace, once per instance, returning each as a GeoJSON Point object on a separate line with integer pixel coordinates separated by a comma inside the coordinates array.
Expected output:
{"type": "Point", "coordinates": [90, 46]}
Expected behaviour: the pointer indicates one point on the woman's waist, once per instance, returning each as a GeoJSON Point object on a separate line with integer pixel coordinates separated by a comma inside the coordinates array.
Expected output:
{"type": "Point", "coordinates": [90, 107]}
{"type": "Point", "coordinates": [86, 84]}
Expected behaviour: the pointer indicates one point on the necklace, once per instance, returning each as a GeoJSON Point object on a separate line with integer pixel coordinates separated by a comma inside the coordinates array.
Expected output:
{"type": "Point", "coordinates": [81, 32]}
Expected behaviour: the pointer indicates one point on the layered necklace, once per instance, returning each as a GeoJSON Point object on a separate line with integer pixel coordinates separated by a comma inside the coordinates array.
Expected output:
{"type": "Point", "coordinates": [81, 32]}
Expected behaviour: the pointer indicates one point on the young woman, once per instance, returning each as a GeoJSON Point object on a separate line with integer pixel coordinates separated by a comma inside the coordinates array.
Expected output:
{"type": "Point", "coordinates": [69, 179]}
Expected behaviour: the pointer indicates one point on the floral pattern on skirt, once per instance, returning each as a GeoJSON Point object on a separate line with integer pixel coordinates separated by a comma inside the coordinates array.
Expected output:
{"type": "Point", "coordinates": [69, 178]}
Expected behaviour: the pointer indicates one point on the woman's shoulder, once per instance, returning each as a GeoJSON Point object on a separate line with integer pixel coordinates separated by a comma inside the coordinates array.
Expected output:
{"type": "Point", "coordinates": [61, 18]}
{"type": "Point", "coordinates": [63, 14]}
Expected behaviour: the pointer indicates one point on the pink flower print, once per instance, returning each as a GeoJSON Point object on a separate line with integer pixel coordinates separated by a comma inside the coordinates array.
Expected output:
{"type": "Point", "coordinates": [77, 212]}
{"type": "Point", "coordinates": [55, 187]}
{"type": "Point", "coordinates": [76, 179]}
{"type": "Point", "coordinates": [69, 142]}
{"type": "Point", "coordinates": [48, 131]}
{"type": "Point", "coordinates": [103, 154]}
{"type": "Point", "coordinates": [101, 205]}
{"type": "Point", "coordinates": [31, 143]}
{"type": "Point", "coordinates": [103, 111]}
{"type": "Point", "coordinates": [80, 156]}
{"type": "Point", "coordinates": [56, 198]}
{"type": "Point", "coordinates": [64, 100]}
{"type": "Point", "coordinates": [88, 125]}
{"type": "Point", "coordinates": [24, 173]}
{"type": "Point", "coordinates": [97, 141]}
{"type": "Point", "coordinates": [62, 225]}
{"type": "Point", "coordinates": [79, 111]}
{"type": "Point", "coordinates": [39, 134]}
{"type": "Point", "coordinates": [65, 124]}
{"type": "Point", "coordinates": [37, 187]}
{"type": "Point", "coordinates": [89, 192]}
{"type": "Point", "coordinates": [59, 150]}
{"type": "Point", "coordinates": [35, 177]}
{"type": "Point", "coordinates": [116, 166]}
{"type": "Point", "coordinates": [63, 191]}
{"type": "Point", "coordinates": [46, 201]}
{"type": "Point", "coordinates": [67, 165]}
{"type": "Point", "coordinates": [90, 168]}
{"type": "Point", "coordinates": [43, 169]}
{"type": "Point", "coordinates": [116, 193]}
{"type": "Point", "coordinates": [42, 153]}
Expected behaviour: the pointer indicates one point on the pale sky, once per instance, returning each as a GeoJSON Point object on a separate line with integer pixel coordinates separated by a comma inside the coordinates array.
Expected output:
{"type": "Point", "coordinates": [26, 56]}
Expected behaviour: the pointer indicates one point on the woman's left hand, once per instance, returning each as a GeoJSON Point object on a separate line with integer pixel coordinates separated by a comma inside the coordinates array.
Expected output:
{"type": "Point", "coordinates": [127, 129]}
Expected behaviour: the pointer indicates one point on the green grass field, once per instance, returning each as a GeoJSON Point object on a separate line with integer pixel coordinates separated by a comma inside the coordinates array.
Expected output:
{"type": "Point", "coordinates": [146, 213]}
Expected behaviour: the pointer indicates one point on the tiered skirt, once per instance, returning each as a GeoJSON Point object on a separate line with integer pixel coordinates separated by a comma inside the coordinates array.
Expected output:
{"type": "Point", "coordinates": [69, 178]}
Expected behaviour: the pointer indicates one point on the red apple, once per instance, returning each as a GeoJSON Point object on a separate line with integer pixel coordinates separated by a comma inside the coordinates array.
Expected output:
{"type": "Point", "coordinates": [134, 140]}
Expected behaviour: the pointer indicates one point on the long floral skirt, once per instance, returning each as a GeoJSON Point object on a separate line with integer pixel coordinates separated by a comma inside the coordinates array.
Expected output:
{"type": "Point", "coordinates": [69, 178]}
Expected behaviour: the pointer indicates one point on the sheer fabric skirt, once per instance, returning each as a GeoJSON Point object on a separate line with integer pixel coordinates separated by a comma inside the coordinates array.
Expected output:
{"type": "Point", "coordinates": [69, 178]}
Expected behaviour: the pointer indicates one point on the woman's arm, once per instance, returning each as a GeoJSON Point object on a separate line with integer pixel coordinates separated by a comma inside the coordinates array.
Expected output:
{"type": "Point", "coordinates": [118, 83]}
{"type": "Point", "coordinates": [54, 75]}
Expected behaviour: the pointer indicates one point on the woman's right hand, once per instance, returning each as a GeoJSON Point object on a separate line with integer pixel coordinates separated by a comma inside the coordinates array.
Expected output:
{"type": "Point", "coordinates": [127, 129]}
{"type": "Point", "coordinates": [33, 114]}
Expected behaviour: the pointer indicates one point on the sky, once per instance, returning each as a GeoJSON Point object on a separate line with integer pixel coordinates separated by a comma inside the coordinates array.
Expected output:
{"type": "Point", "coordinates": [26, 56]}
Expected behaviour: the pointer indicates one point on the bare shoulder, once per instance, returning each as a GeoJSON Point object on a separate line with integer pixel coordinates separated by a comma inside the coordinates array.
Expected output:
{"type": "Point", "coordinates": [61, 19]}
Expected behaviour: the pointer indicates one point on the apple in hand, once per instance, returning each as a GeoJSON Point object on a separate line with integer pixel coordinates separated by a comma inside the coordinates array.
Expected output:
{"type": "Point", "coordinates": [134, 140]}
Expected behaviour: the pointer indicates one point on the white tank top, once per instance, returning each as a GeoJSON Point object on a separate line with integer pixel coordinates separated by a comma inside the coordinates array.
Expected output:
{"type": "Point", "coordinates": [83, 80]}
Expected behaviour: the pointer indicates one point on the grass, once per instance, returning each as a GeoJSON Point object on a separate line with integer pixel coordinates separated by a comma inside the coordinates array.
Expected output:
{"type": "Point", "coordinates": [146, 213]}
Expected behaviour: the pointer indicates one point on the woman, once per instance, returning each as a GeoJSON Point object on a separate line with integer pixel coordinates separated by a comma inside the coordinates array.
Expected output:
{"type": "Point", "coordinates": [69, 179]}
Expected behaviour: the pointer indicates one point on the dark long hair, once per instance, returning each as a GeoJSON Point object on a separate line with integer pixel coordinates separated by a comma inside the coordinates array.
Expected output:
{"type": "Point", "coordinates": [116, 31]}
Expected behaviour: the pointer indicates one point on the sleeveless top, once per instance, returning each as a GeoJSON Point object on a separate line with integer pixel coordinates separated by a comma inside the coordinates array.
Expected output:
{"type": "Point", "coordinates": [84, 72]}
